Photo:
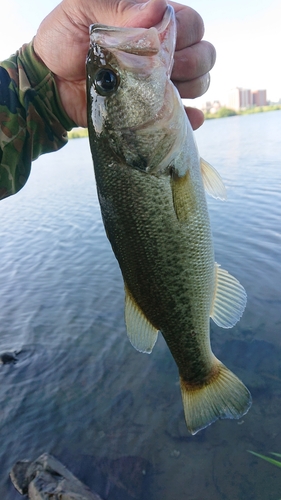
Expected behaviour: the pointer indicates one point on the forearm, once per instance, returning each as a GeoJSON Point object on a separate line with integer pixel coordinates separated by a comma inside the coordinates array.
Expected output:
{"type": "Point", "coordinates": [32, 119]}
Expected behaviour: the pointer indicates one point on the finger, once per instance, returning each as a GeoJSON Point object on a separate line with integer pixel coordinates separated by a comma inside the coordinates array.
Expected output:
{"type": "Point", "coordinates": [194, 61]}
{"type": "Point", "coordinates": [193, 88]}
{"type": "Point", "coordinates": [133, 13]}
{"type": "Point", "coordinates": [190, 26]}
{"type": "Point", "coordinates": [195, 116]}
{"type": "Point", "coordinates": [147, 13]}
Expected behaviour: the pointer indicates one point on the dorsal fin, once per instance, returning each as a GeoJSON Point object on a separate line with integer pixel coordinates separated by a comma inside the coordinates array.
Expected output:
{"type": "Point", "coordinates": [141, 332]}
{"type": "Point", "coordinates": [212, 180]}
{"type": "Point", "coordinates": [229, 299]}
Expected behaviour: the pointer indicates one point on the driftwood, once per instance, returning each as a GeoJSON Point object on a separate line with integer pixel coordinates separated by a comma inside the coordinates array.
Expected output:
{"type": "Point", "coordinates": [47, 478]}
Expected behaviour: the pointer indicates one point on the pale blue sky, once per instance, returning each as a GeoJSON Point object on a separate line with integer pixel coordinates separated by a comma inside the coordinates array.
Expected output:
{"type": "Point", "coordinates": [246, 34]}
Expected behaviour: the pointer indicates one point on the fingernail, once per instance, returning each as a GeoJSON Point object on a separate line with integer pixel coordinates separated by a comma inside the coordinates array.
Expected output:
{"type": "Point", "coordinates": [208, 82]}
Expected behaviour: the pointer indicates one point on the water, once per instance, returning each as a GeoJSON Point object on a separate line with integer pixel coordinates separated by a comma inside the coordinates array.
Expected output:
{"type": "Point", "coordinates": [80, 391]}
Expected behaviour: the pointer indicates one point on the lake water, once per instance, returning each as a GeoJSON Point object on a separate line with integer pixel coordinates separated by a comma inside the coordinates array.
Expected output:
{"type": "Point", "coordinates": [80, 391]}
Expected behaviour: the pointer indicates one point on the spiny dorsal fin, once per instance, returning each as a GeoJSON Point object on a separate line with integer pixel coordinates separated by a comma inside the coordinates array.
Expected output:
{"type": "Point", "coordinates": [141, 333]}
{"type": "Point", "coordinates": [229, 299]}
{"type": "Point", "coordinates": [212, 180]}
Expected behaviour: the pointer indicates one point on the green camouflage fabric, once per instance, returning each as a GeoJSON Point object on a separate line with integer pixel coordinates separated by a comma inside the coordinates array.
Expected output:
{"type": "Point", "coordinates": [32, 120]}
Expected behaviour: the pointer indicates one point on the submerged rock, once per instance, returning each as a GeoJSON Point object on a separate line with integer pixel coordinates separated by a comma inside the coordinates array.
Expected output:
{"type": "Point", "coordinates": [8, 357]}
{"type": "Point", "coordinates": [47, 478]}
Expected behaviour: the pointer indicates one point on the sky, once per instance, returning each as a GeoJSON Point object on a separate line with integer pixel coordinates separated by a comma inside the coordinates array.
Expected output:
{"type": "Point", "coordinates": [246, 34]}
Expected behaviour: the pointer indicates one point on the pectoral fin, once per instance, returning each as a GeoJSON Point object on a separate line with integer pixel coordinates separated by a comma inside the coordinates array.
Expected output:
{"type": "Point", "coordinates": [229, 299]}
{"type": "Point", "coordinates": [212, 180]}
{"type": "Point", "coordinates": [184, 197]}
{"type": "Point", "coordinates": [141, 333]}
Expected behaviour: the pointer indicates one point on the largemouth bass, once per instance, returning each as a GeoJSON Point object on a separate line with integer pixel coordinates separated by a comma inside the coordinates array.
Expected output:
{"type": "Point", "coordinates": [150, 181]}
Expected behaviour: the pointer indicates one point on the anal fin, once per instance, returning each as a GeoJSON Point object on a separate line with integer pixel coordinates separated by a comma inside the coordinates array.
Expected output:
{"type": "Point", "coordinates": [142, 334]}
{"type": "Point", "coordinates": [229, 299]}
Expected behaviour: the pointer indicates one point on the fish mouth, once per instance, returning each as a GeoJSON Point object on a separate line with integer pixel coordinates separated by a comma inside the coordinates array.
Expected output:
{"type": "Point", "coordinates": [159, 40]}
{"type": "Point", "coordinates": [143, 59]}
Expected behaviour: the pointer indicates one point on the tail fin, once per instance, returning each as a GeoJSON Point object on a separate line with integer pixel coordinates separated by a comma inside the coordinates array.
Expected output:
{"type": "Point", "coordinates": [224, 396]}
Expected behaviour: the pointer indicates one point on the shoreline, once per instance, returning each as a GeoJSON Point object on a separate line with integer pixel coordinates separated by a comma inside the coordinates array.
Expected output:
{"type": "Point", "coordinates": [226, 112]}
{"type": "Point", "coordinates": [79, 132]}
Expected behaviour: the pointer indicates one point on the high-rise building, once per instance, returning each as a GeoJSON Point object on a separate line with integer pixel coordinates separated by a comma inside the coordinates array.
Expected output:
{"type": "Point", "coordinates": [240, 98]}
{"type": "Point", "coordinates": [259, 97]}
{"type": "Point", "coordinates": [234, 99]}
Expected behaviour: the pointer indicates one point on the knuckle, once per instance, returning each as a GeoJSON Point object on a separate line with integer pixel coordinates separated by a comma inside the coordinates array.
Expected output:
{"type": "Point", "coordinates": [194, 88]}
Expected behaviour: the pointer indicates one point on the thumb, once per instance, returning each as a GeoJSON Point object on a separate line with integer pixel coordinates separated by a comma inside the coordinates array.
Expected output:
{"type": "Point", "coordinates": [131, 13]}
{"type": "Point", "coordinates": [144, 14]}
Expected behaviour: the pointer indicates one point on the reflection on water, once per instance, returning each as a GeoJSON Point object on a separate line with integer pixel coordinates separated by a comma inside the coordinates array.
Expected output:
{"type": "Point", "coordinates": [80, 391]}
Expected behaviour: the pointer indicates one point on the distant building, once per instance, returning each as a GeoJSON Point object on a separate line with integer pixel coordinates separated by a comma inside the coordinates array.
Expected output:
{"type": "Point", "coordinates": [206, 107]}
{"type": "Point", "coordinates": [240, 98]}
{"type": "Point", "coordinates": [216, 105]}
{"type": "Point", "coordinates": [259, 97]}
{"type": "Point", "coordinates": [211, 107]}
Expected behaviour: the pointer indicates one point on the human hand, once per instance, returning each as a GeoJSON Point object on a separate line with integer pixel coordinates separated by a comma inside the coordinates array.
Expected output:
{"type": "Point", "coordinates": [62, 42]}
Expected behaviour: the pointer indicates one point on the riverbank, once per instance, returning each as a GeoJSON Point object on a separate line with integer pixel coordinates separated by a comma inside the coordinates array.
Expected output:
{"type": "Point", "coordinates": [79, 132]}
{"type": "Point", "coordinates": [225, 112]}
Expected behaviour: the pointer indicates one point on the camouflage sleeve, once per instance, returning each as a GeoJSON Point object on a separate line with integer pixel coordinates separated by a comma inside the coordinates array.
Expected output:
{"type": "Point", "coordinates": [32, 120]}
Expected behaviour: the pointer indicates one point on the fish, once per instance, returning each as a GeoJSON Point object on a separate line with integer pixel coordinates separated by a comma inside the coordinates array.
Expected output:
{"type": "Point", "coordinates": [151, 186]}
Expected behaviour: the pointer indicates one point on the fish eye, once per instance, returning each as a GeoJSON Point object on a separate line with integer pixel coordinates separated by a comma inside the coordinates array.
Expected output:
{"type": "Point", "coordinates": [106, 81]}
